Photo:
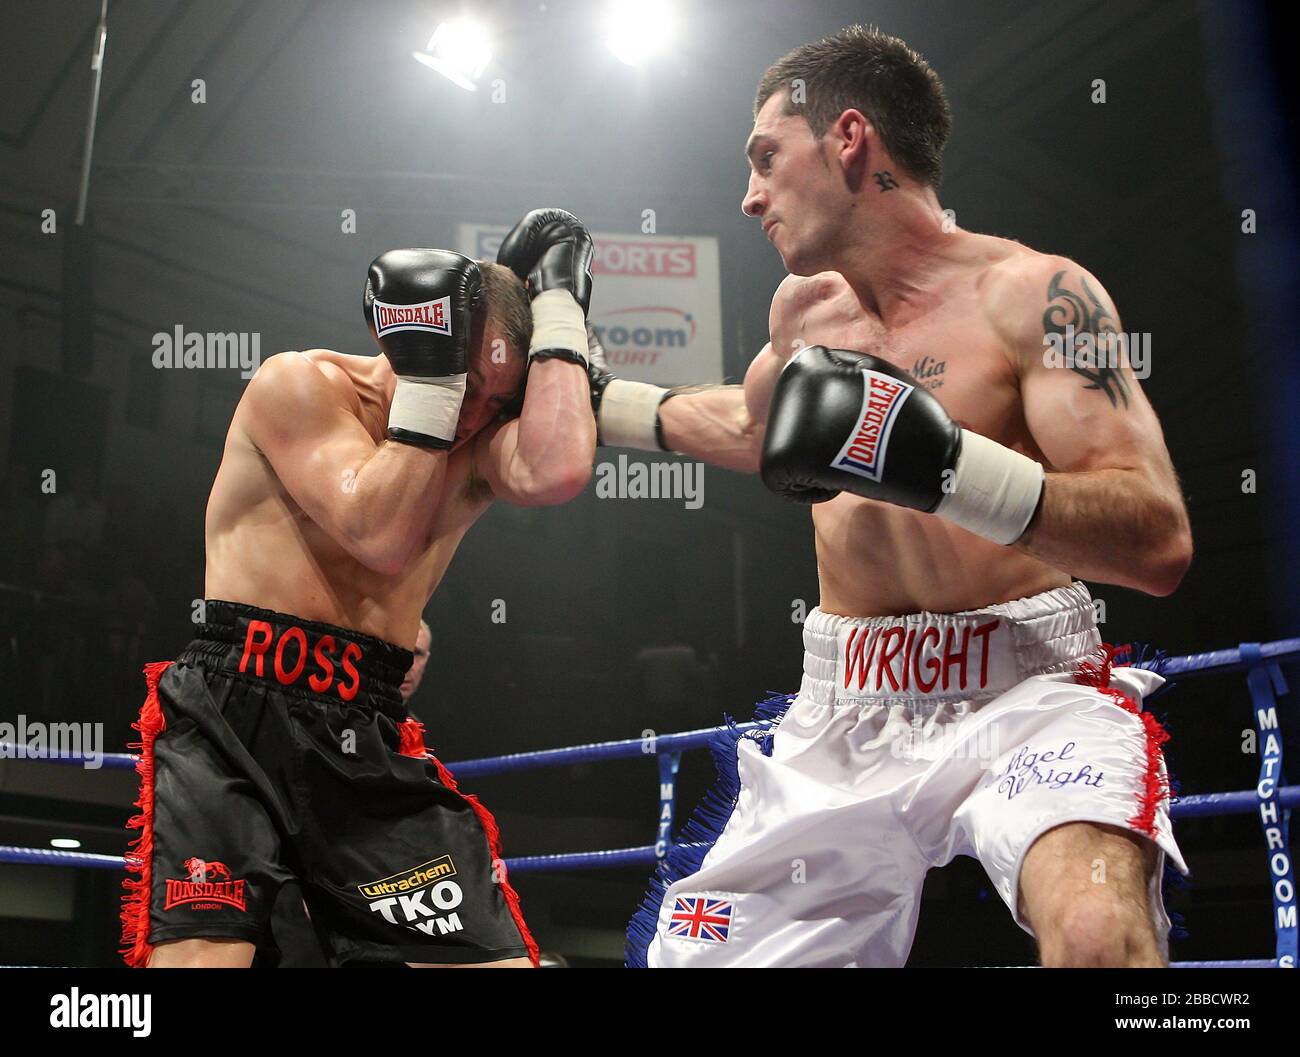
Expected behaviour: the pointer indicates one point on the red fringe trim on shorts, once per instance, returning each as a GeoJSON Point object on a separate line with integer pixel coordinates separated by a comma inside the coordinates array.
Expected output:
{"type": "Point", "coordinates": [1155, 787]}
{"type": "Point", "coordinates": [412, 734]}
{"type": "Point", "coordinates": [139, 854]}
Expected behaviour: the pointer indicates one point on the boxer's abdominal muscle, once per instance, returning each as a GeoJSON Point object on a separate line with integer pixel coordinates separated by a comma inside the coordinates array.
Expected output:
{"type": "Point", "coordinates": [877, 559]}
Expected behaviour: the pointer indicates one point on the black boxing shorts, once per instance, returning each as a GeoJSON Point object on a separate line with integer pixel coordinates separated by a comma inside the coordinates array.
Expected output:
{"type": "Point", "coordinates": [275, 749]}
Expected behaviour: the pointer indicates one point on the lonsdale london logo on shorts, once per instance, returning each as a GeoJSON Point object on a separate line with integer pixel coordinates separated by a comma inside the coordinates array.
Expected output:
{"type": "Point", "coordinates": [423, 898]}
{"type": "Point", "coordinates": [208, 886]}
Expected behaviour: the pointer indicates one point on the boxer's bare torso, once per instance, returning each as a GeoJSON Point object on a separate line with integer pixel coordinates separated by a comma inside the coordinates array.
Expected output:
{"type": "Point", "coordinates": [263, 549]}
{"type": "Point", "coordinates": [876, 558]}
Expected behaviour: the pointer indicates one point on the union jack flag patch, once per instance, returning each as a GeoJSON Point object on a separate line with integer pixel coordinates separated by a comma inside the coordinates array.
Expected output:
{"type": "Point", "coordinates": [701, 918]}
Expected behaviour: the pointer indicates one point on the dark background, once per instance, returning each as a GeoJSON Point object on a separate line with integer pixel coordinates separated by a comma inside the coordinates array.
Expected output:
{"type": "Point", "coordinates": [226, 217]}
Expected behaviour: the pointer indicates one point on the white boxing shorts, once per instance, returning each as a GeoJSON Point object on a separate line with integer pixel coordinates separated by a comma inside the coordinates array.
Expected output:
{"type": "Point", "coordinates": [912, 740]}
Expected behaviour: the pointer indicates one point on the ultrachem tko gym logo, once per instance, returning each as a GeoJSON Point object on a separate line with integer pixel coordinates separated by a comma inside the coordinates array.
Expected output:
{"type": "Point", "coordinates": [423, 898]}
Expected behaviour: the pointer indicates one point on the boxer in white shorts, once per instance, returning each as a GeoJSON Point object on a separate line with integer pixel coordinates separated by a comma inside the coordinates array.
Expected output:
{"type": "Point", "coordinates": [913, 740]}
{"type": "Point", "coordinates": [963, 416]}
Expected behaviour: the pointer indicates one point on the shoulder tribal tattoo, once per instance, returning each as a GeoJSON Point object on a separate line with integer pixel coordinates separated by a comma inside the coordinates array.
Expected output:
{"type": "Point", "coordinates": [1075, 317]}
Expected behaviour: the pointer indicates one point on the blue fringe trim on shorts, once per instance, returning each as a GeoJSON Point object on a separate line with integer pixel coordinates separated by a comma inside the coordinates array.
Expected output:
{"type": "Point", "coordinates": [701, 831]}
{"type": "Point", "coordinates": [687, 854]}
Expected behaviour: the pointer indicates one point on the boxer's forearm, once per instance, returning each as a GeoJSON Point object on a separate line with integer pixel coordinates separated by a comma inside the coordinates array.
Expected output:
{"type": "Point", "coordinates": [1112, 526]}
{"type": "Point", "coordinates": [555, 443]}
{"type": "Point", "coordinates": [376, 501]}
{"type": "Point", "coordinates": [714, 425]}
{"type": "Point", "coordinates": [384, 509]}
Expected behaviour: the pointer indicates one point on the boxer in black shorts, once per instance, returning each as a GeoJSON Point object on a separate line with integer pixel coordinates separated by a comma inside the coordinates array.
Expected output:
{"type": "Point", "coordinates": [297, 731]}
{"type": "Point", "coordinates": [276, 749]}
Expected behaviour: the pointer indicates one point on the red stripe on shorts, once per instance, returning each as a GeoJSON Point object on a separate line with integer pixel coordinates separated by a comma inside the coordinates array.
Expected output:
{"type": "Point", "coordinates": [137, 890]}
{"type": "Point", "coordinates": [1095, 672]}
{"type": "Point", "coordinates": [412, 744]}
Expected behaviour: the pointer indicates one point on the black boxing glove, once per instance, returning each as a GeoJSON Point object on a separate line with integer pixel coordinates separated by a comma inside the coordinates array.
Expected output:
{"type": "Point", "coordinates": [552, 251]}
{"type": "Point", "coordinates": [418, 306]}
{"type": "Point", "coordinates": [848, 421]}
{"type": "Point", "coordinates": [627, 412]}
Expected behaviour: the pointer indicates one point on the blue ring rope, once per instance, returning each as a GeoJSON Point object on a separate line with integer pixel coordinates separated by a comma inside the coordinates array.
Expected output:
{"type": "Point", "coordinates": [1249, 657]}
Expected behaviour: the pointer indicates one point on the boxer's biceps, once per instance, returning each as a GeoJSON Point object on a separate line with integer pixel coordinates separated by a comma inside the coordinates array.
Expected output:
{"type": "Point", "coordinates": [1078, 429]}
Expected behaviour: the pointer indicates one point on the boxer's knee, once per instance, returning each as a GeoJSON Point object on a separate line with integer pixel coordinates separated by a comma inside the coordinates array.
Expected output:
{"type": "Point", "coordinates": [1085, 889]}
{"type": "Point", "coordinates": [1099, 928]}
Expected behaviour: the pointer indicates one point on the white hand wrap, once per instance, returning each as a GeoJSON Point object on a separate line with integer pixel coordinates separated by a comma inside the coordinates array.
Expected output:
{"type": "Point", "coordinates": [629, 415]}
{"type": "Point", "coordinates": [427, 405]}
{"type": "Point", "coordinates": [558, 323]}
{"type": "Point", "coordinates": [995, 492]}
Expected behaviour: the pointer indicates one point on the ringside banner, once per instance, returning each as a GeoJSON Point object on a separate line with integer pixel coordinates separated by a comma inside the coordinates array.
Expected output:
{"type": "Point", "coordinates": [656, 304]}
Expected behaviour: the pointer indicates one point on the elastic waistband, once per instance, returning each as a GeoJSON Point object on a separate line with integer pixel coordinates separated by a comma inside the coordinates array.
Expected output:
{"type": "Point", "coordinates": [968, 656]}
{"type": "Point", "coordinates": [320, 660]}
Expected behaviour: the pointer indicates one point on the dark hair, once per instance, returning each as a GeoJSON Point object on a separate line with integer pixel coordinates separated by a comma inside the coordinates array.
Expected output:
{"type": "Point", "coordinates": [863, 69]}
{"type": "Point", "coordinates": [506, 302]}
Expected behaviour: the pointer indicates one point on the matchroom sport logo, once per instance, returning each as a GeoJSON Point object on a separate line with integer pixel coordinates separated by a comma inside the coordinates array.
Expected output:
{"type": "Point", "coordinates": [649, 258]}
{"type": "Point", "coordinates": [643, 333]}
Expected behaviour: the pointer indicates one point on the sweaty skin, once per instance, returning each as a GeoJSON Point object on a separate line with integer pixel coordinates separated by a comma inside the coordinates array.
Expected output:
{"type": "Point", "coordinates": [877, 267]}
{"type": "Point", "coordinates": [314, 513]}
{"type": "Point", "coordinates": [875, 558]}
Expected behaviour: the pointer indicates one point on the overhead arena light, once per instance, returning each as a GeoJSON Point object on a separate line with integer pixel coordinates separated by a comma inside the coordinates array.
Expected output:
{"type": "Point", "coordinates": [64, 842]}
{"type": "Point", "coordinates": [460, 51]}
{"type": "Point", "coordinates": [637, 29]}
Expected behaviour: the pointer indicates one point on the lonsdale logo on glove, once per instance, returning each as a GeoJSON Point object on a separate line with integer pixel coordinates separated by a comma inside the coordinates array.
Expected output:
{"type": "Point", "coordinates": [864, 452]}
{"type": "Point", "coordinates": [430, 316]}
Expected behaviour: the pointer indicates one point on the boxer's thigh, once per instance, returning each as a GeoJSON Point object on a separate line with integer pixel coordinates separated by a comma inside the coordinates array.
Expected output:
{"type": "Point", "coordinates": [1079, 781]}
{"type": "Point", "coordinates": [811, 866]}
{"type": "Point", "coordinates": [396, 865]}
{"type": "Point", "coordinates": [215, 863]}
{"type": "Point", "coordinates": [1091, 885]}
